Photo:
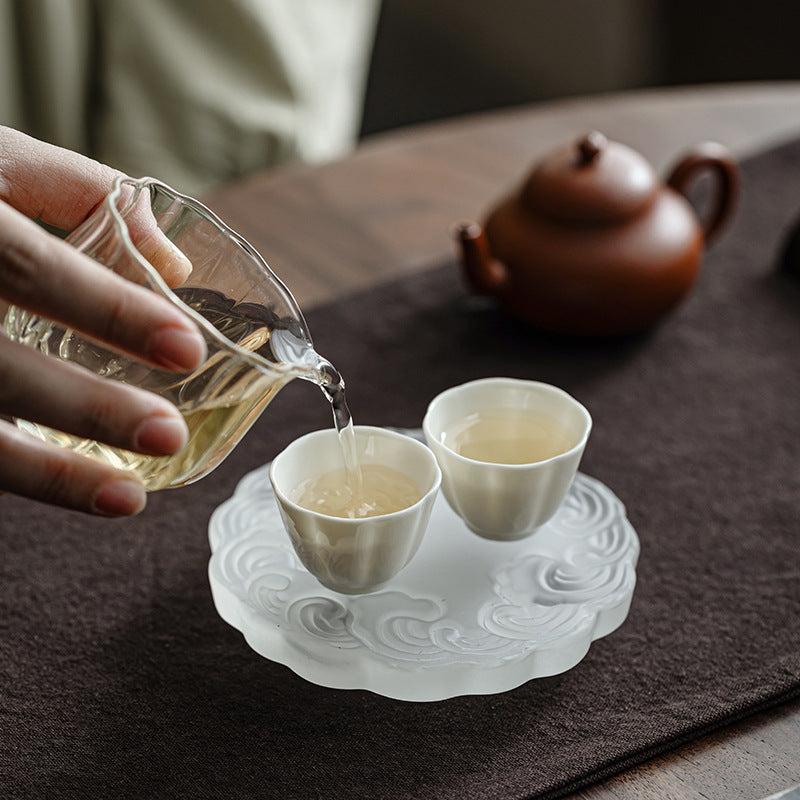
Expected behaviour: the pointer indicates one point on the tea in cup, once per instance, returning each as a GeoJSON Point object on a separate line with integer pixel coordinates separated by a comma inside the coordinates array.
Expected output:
{"type": "Point", "coordinates": [508, 450]}
{"type": "Point", "coordinates": [353, 540]}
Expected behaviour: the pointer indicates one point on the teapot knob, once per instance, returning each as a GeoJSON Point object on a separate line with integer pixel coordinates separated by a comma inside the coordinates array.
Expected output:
{"type": "Point", "coordinates": [590, 147]}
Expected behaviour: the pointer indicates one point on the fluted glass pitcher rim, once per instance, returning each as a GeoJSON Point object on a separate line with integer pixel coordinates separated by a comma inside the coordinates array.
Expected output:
{"type": "Point", "coordinates": [120, 225]}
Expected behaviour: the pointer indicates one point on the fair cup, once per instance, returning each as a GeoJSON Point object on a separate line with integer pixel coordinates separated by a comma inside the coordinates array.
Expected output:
{"type": "Point", "coordinates": [506, 501]}
{"type": "Point", "coordinates": [354, 556]}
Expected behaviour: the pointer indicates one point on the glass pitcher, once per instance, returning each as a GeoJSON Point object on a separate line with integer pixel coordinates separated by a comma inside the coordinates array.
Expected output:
{"type": "Point", "coordinates": [256, 336]}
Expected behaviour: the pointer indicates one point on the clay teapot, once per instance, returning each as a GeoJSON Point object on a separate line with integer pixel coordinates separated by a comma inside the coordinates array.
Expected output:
{"type": "Point", "coordinates": [592, 243]}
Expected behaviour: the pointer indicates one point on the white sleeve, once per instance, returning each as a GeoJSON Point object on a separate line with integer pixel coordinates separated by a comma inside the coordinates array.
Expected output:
{"type": "Point", "coordinates": [200, 93]}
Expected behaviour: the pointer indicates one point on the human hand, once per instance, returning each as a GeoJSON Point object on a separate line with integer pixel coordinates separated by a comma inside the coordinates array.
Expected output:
{"type": "Point", "coordinates": [45, 275]}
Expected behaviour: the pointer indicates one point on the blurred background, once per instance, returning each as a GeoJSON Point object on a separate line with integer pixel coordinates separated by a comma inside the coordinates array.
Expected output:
{"type": "Point", "coordinates": [437, 59]}
{"type": "Point", "coordinates": [201, 92]}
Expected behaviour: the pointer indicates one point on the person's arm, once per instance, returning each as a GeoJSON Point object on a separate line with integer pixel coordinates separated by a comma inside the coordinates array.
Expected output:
{"type": "Point", "coordinates": [45, 275]}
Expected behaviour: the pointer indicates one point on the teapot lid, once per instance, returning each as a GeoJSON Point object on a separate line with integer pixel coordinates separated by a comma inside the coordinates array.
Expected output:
{"type": "Point", "coordinates": [591, 181]}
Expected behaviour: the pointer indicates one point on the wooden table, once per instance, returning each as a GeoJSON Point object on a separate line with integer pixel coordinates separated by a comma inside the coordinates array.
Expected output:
{"type": "Point", "coordinates": [389, 208]}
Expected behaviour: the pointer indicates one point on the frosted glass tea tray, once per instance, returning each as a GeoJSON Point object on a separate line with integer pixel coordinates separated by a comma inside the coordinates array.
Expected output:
{"type": "Point", "coordinates": [466, 616]}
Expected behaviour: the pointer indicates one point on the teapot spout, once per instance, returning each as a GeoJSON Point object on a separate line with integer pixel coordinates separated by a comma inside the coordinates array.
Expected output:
{"type": "Point", "coordinates": [486, 274]}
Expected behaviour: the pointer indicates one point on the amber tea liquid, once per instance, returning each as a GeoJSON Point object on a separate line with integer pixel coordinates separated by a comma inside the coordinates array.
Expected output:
{"type": "Point", "coordinates": [218, 402]}
{"type": "Point", "coordinates": [508, 436]}
{"type": "Point", "coordinates": [383, 490]}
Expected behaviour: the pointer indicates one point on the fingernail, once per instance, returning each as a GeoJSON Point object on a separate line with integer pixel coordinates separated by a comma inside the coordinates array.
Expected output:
{"type": "Point", "coordinates": [176, 348]}
{"type": "Point", "coordinates": [170, 261]}
{"type": "Point", "coordinates": [119, 497]}
{"type": "Point", "coordinates": [161, 435]}
{"type": "Point", "coordinates": [181, 265]}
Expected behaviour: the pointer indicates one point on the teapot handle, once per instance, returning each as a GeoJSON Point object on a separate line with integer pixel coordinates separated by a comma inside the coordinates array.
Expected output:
{"type": "Point", "coordinates": [724, 169]}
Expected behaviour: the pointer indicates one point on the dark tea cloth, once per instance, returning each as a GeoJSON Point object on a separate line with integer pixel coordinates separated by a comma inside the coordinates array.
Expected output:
{"type": "Point", "coordinates": [119, 680]}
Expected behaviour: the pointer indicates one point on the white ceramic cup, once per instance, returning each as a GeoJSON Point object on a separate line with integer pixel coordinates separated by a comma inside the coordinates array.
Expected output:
{"type": "Point", "coordinates": [355, 556]}
{"type": "Point", "coordinates": [505, 501]}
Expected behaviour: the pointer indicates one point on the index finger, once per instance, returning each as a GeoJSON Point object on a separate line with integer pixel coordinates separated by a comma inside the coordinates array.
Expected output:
{"type": "Point", "coordinates": [42, 274]}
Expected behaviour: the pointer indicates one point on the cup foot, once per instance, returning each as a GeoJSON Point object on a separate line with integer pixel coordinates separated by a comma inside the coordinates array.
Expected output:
{"type": "Point", "coordinates": [503, 537]}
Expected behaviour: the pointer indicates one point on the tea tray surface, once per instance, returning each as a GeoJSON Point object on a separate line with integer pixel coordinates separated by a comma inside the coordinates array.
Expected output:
{"type": "Point", "coordinates": [466, 616]}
